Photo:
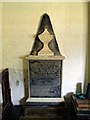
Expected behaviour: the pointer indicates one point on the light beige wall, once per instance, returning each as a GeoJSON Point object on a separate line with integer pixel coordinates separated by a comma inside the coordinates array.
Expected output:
{"type": "Point", "coordinates": [0, 44]}
{"type": "Point", "coordinates": [0, 36]}
{"type": "Point", "coordinates": [89, 42]}
{"type": "Point", "coordinates": [0, 57]}
{"type": "Point", "coordinates": [20, 23]}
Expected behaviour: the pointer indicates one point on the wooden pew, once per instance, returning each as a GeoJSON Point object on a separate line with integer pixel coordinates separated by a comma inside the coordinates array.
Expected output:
{"type": "Point", "coordinates": [9, 111]}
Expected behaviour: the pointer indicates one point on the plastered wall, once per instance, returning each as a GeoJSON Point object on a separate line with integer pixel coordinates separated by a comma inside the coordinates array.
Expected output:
{"type": "Point", "coordinates": [20, 23]}
{"type": "Point", "coordinates": [0, 56]}
{"type": "Point", "coordinates": [89, 42]}
{"type": "Point", "coordinates": [0, 36]}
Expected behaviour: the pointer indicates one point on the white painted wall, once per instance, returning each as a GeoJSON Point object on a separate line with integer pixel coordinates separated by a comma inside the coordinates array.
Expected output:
{"type": "Point", "coordinates": [20, 23]}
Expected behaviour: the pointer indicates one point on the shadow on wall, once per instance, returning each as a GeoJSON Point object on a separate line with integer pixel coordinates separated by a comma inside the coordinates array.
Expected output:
{"type": "Point", "coordinates": [87, 69]}
{"type": "Point", "coordinates": [79, 88]}
{"type": "Point", "coordinates": [25, 75]}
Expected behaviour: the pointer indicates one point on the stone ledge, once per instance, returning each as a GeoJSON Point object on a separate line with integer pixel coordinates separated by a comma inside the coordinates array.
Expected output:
{"type": "Point", "coordinates": [45, 100]}
{"type": "Point", "coordinates": [45, 57]}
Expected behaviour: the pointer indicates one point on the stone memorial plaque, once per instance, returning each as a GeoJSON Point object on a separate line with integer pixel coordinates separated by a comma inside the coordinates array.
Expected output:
{"type": "Point", "coordinates": [45, 78]}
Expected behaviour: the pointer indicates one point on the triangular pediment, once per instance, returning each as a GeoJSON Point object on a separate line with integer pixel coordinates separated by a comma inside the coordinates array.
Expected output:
{"type": "Point", "coordinates": [45, 41]}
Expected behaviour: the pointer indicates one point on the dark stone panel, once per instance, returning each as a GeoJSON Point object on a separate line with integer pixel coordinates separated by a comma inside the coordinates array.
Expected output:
{"type": "Point", "coordinates": [45, 78]}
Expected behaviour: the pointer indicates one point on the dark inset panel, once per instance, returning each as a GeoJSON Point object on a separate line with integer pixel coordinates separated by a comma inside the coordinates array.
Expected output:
{"type": "Point", "coordinates": [45, 78]}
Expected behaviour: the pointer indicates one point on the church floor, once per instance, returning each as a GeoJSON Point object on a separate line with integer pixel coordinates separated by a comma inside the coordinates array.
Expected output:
{"type": "Point", "coordinates": [48, 113]}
